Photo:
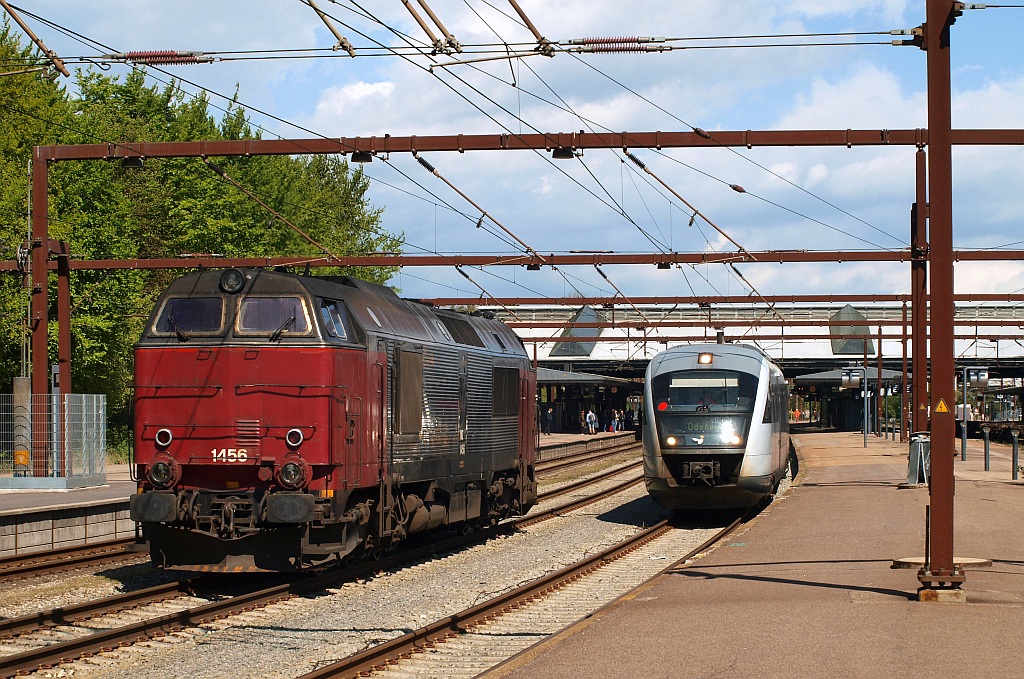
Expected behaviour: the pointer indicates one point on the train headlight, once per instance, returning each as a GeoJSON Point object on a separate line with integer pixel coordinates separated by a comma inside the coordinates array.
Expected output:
{"type": "Point", "coordinates": [293, 474]}
{"type": "Point", "coordinates": [733, 440]}
{"type": "Point", "coordinates": [232, 281]}
{"type": "Point", "coordinates": [671, 440]}
{"type": "Point", "coordinates": [705, 358]}
{"type": "Point", "coordinates": [163, 473]}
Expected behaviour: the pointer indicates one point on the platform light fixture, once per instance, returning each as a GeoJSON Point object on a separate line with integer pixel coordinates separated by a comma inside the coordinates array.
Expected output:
{"type": "Point", "coordinates": [132, 162]}
{"type": "Point", "coordinates": [362, 157]}
{"type": "Point", "coordinates": [562, 153]}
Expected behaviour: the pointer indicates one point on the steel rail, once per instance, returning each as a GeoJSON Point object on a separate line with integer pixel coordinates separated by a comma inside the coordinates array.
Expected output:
{"type": "Point", "coordinates": [106, 640]}
{"type": "Point", "coordinates": [73, 613]}
{"type": "Point", "coordinates": [583, 457]}
{"type": "Point", "coordinates": [379, 657]}
{"type": "Point", "coordinates": [41, 563]}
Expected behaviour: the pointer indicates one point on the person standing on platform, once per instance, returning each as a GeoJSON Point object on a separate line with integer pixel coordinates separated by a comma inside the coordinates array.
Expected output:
{"type": "Point", "coordinates": [591, 422]}
{"type": "Point", "coordinates": [549, 416]}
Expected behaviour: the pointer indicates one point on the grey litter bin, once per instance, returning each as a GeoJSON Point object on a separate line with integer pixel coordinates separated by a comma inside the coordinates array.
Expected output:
{"type": "Point", "coordinates": [919, 465]}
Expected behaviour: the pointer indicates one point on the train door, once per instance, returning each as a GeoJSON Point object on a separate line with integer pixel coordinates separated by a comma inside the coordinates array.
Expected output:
{"type": "Point", "coordinates": [380, 384]}
{"type": "Point", "coordinates": [463, 402]}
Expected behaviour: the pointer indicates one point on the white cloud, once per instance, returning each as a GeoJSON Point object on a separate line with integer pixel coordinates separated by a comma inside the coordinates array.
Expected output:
{"type": "Point", "coordinates": [572, 206]}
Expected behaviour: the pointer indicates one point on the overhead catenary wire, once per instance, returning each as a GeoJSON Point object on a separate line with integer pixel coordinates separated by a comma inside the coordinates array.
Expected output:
{"type": "Point", "coordinates": [484, 291]}
{"type": "Point", "coordinates": [432, 170]}
{"type": "Point", "coordinates": [639, 163]}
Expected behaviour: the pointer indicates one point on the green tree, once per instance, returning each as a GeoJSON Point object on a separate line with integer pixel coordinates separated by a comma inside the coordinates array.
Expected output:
{"type": "Point", "coordinates": [168, 208]}
{"type": "Point", "coordinates": [32, 108]}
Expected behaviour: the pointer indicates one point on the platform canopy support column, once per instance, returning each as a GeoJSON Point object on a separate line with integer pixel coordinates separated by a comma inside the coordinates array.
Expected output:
{"type": "Point", "coordinates": [940, 578]}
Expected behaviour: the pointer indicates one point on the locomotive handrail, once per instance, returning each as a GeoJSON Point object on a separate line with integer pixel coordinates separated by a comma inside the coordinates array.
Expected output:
{"type": "Point", "coordinates": [295, 386]}
{"type": "Point", "coordinates": [176, 386]}
{"type": "Point", "coordinates": [296, 389]}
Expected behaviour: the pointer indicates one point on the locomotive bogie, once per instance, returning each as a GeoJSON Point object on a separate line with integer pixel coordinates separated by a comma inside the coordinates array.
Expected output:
{"type": "Point", "coordinates": [326, 412]}
{"type": "Point", "coordinates": [716, 432]}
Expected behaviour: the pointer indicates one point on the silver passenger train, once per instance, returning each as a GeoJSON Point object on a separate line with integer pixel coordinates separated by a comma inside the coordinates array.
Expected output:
{"type": "Point", "coordinates": [716, 431]}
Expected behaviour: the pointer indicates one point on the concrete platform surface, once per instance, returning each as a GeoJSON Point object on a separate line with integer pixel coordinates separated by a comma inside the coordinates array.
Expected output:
{"type": "Point", "coordinates": [806, 589]}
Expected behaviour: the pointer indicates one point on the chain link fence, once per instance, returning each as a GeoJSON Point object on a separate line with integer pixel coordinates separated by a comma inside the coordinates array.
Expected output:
{"type": "Point", "coordinates": [52, 441]}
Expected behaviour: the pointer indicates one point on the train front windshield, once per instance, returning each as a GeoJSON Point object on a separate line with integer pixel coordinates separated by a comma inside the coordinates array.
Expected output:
{"type": "Point", "coordinates": [703, 408]}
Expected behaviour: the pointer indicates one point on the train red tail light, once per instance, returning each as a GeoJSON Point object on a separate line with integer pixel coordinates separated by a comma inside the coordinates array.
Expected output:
{"type": "Point", "coordinates": [163, 437]}
{"type": "Point", "coordinates": [294, 438]}
{"type": "Point", "coordinates": [663, 405]}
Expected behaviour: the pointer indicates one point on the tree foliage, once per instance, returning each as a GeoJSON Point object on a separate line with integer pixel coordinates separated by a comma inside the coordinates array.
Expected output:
{"type": "Point", "coordinates": [168, 208]}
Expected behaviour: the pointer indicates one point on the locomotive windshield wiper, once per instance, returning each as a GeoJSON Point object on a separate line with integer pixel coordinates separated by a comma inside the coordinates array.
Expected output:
{"type": "Point", "coordinates": [178, 332]}
{"type": "Point", "coordinates": [276, 335]}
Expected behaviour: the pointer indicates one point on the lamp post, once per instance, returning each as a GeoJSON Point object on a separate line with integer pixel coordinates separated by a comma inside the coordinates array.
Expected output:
{"type": "Point", "coordinates": [856, 378]}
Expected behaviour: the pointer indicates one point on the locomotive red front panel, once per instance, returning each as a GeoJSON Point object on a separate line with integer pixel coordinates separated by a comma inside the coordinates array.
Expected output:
{"type": "Point", "coordinates": [227, 412]}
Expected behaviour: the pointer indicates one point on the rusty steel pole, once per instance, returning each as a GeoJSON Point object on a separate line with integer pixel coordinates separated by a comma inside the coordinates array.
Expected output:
{"type": "Point", "coordinates": [904, 418]}
{"type": "Point", "coordinates": [939, 571]}
{"type": "Point", "coordinates": [39, 312]}
{"type": "Point", "coordinates": [919, 297]}
{"type": "Point", "coordinates": [879, 391]}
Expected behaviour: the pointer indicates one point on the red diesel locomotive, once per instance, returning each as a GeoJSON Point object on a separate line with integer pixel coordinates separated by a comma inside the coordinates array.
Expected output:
{"type": "Point", "coordinates": [285, 421]}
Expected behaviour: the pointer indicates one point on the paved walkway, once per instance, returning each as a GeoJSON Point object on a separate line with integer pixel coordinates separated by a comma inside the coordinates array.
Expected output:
{"type": "Point", "coordinates": [806, 590]}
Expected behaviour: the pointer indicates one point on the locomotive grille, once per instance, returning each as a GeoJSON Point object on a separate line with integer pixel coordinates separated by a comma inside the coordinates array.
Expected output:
{"type": "Point", "coordinates": [247, 433]}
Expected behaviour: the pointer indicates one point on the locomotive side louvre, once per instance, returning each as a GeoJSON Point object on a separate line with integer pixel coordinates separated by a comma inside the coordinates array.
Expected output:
{"type": "Point", "coordinates": [351, 419]}
{"type": "Point", "coordinates": [717, 430]}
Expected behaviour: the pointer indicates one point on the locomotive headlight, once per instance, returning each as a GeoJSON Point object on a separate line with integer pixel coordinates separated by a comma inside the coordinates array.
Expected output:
{"type": "Point", "coordinates": [293, 474]}
{"type": "Point", "coordinates": [160, 474]}
{"type": "Point", "coordinates": [734, 440]}
{"type": "Point", "coordinates": [671, 440]}
{"type": "Point", "coordinates": [163, 473]}
{"type": "Point", "coordinates": [231, 281]}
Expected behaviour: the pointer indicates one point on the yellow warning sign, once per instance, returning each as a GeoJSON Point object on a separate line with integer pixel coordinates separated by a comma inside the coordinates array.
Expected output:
{"type": "Point", "coordinates": [942, 407]}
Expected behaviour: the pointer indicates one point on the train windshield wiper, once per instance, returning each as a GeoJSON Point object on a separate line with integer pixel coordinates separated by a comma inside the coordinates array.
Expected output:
{"type": "Point", "coordinates": [276, 335]}
{"type": "Point", "coordinates": [178, 332]}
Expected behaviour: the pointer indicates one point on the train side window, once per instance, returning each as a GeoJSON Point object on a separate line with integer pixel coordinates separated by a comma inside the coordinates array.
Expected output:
{"type": "Point", "coordinates": [333, 318]}
{"type": "Point", "coordinates": [505, 391]}
{"type": "Point", "coordinates": [260, 315]}
{"type": "Point", "coordinates": [409, 408]}
{"type": "Point", "coordinates": [768, 406]}
{"type": "Point", "coordinates": [201, 315]}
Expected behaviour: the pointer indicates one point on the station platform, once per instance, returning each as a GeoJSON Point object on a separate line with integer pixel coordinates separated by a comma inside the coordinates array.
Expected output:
{"type": "Point", "coordinates": [806, 589]}
{"type": "Point", "coordinates": [119, 486]}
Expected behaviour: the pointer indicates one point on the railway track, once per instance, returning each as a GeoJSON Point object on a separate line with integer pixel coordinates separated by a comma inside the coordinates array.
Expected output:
{"type": "Point", "coordinates": [100, 626]}
{"type": "Point", "coordinates": [559, 463]}
{"type": "Point", "coordinates": [481, 637]}
{"type": "Point", "coordinates": [55, 561]}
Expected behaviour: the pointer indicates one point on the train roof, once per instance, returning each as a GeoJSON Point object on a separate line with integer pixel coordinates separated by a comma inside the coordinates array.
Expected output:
{"type": "Point", "coordinates": [731, 355]}
{"type": "Point", "coordinates": [376, 308]}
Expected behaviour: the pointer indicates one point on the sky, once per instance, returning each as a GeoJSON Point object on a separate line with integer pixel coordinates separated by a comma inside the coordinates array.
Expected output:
{"type": "Point", "coordinates": [806, 198]}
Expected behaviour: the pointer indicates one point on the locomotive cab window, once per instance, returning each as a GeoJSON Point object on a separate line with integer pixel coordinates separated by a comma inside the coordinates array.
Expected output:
{"type": "Point", "coordinates": [275, 316]}
{"type": "Point", "coordinates": [703, 408]}
{"type": "Point", "coordinates": [184, 316]}
{"type": "Point", "coordinates": [334, 318]}
{"type": "Point", "coordinates": [704, 391]}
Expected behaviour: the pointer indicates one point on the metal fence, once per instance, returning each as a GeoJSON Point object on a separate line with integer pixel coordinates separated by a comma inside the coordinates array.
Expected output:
{"type": "Point", "coordinates": [52, 441]}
